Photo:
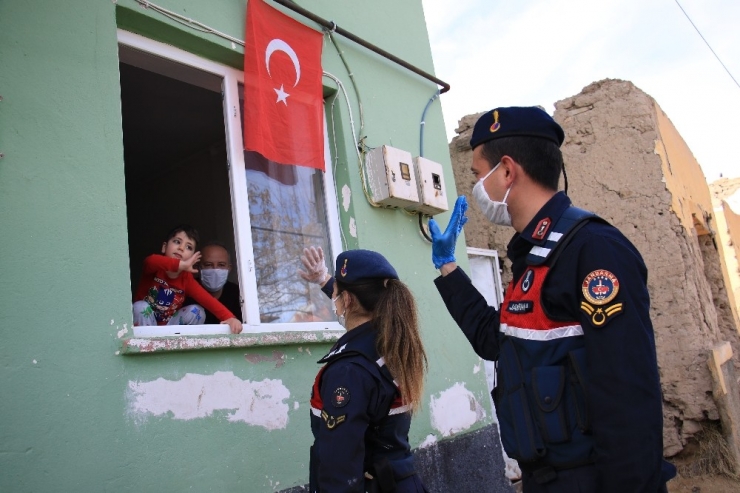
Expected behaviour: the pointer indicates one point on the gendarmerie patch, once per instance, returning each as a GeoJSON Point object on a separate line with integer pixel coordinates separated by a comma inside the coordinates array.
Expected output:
{"type": "Point", "coordinates": [527, 280]}
{"type": "Point", "coordinates": [600, 287]}
{"type": "Point", "coordinates": [340, 398]}
{"type": "Point", "coordinates": [520, 307]}
{"type": "Point", "coordinates": [332, 421]}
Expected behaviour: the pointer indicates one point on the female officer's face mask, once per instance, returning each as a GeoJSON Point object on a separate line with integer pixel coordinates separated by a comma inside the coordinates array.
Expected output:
{"type": "Point", "coordinates": [341, 318]}
{"type": "Point", "coordinates": [496, 212]}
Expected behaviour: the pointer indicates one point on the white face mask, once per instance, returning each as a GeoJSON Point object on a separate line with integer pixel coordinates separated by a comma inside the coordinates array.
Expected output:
{"type": "Point", "coordinates": [213, 279]}
{"type": "Point", "coordinates": [341, 318]}
{"type": "Point", "coordinates": [496, 212]}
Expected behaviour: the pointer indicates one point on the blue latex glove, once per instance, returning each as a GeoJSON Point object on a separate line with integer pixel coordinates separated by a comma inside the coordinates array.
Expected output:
{"type": "Point", "coordinates": [443, 244]}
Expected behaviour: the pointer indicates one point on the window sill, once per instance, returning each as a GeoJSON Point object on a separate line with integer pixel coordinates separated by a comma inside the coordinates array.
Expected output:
{"type": "Point", "coordinates": [160, 344]}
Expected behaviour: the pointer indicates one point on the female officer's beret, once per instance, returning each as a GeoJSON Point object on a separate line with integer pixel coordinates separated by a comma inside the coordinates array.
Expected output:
{"type": "Point", "coordinates": [529, 121]}
{"type": "Point", "coordinates": [358, 265]}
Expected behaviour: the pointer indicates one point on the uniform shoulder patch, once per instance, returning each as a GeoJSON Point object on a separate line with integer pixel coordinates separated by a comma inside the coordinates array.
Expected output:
{"type": "Point", "coordinates": [601, 315]}
{"type": "Point", "coordinates": [600, 287]}
{"type": "Point", "coordinates": [340, 397]}
{"type": "Point", "coordinates": [332, 421]}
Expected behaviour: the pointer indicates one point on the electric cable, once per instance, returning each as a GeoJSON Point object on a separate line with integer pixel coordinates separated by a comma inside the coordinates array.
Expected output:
{"type": "Point", "coordinates": [707, 43]}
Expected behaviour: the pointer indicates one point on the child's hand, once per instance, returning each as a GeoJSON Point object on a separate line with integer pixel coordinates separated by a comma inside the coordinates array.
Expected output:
{"type": "Point", "coordinates": [234, 324]}
{"type": "Point", "coordinates": [189, 264]}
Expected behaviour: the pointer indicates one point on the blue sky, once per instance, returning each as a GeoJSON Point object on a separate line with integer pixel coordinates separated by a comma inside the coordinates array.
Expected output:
{"type": "Point", "coordinates": [537, 52]}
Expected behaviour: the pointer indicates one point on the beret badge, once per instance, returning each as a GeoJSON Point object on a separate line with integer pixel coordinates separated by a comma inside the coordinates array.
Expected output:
{"type": "Point", "coordinates": [496, 125]}
{"type": "Point", "coordinates": [343, 270]}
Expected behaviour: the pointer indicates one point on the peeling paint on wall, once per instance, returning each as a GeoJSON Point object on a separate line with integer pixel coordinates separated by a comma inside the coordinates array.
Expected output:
{"type": "Point", "coordinates": [455, 409]}
{"type": "Point", "coordinates": [200, 396]}
{"type": "Point", "coordinates": [123, 331]}
{"type": "Point", "coordinates": [277, 356]}
{"type": "Point", "coordinates": [352, 227]}
{"type": "Point", "coordinates": [428, 441]}
{"type": "Point", "coordinates": [346, 197]}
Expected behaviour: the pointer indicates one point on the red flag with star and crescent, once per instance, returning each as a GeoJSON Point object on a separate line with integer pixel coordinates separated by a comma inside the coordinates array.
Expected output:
{"type": "Point", "coordinates": [283, 97]}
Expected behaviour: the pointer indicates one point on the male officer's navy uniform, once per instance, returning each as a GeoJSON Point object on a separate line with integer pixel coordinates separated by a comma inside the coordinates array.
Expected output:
{"type": "Point", "coordinates": [578, 395]}
{"type": "Point", "coordinates": [359, 423]}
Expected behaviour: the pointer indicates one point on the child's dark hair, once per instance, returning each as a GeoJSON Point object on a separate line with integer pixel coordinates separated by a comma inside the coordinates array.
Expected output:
{"type": "Point", "coordinates": [190, 231]}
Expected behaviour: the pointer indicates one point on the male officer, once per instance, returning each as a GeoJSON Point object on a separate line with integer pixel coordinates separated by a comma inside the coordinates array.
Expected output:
{"type": "Point", "coordinates": [578, 396]}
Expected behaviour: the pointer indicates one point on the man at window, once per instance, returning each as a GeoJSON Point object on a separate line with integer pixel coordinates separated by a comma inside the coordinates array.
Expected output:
{"type": "Point", "coordinates": [215, 265]}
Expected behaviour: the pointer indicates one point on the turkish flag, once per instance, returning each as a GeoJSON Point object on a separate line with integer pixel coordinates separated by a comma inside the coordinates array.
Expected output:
{"type": "Point", "coordinates": [283, 97]}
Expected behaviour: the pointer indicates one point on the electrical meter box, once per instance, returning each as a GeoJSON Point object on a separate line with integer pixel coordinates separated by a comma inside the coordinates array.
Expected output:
{"type": "Point", "coordinates": [432, 194]}
{"type": "Point", "coordinates": [391, 177]}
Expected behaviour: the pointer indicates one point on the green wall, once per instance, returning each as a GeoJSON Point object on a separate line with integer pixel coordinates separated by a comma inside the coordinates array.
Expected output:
{"type": "Point", "coordinates": [65, 390]}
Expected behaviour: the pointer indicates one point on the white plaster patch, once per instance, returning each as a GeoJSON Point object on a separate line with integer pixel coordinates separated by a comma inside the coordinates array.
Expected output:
{"type": "Point", "coordinates": [455, 409]}
{"type": "Point", "coordinates": [199, 396]}
{"type": "Point", "coordinates": [346, 197]}
{"type": "Point", "coordinates": [476, 368]}
{"type": "Point", "coordinates": [428, 441]}
{"type": "Point", "coordinates": [296, 405]}
{"type": "Point", "coordinates": [122, 332]}
{"type": "Point", "coordinates": [117, 353]}
{"type": "Point", "coordinates": [34, 362]}
{"type": "Point", "coordinates": [352, 227]}
{"type": "Point", "coordinates": [111, 321]}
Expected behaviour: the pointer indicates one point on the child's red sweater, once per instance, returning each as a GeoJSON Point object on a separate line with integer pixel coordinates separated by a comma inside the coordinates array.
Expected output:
{"type": "Point", "coordinates": [166, 295]}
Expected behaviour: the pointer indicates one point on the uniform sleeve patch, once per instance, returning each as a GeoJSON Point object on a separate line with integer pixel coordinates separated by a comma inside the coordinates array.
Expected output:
{"type": "Point", "coordinates": [600, 316]}
{"type": "Point", "coordinates": [332, 421]}
{"type": "Point", "coordinates": [340, 398]}
{"type": "Point", "coordinates": [600, 287]}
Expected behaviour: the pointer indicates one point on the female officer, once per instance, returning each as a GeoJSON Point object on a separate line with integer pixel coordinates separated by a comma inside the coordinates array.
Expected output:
{"type": "Point", "coordinates": [371, 381]}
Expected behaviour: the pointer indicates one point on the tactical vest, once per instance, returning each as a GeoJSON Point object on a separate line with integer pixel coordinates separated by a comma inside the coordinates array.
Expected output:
{"type": "Point", "coordinates": [541, 392]}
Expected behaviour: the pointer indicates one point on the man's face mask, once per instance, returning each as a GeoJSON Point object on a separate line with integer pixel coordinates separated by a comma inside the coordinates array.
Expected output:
{"type": "Point", "coordinates": [213, 279]}
{"type": "Point", "coordinates": [496, 212]}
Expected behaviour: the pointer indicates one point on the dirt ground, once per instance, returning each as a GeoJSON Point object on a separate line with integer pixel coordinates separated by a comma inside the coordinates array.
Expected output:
{"type": "Point", "coordinates": [703, 484]}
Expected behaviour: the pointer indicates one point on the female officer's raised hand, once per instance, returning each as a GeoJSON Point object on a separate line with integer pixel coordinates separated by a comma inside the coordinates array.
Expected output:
{"type": "Point", "coordinates": [313, 261]}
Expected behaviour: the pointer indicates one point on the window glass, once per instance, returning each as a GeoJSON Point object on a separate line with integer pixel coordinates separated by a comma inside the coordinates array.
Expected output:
{"type": "Point", "coordinates": [287, 210]}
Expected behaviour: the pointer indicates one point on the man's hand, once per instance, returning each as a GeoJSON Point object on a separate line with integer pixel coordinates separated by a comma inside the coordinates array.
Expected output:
{"type": "Point", "coordinates": [443, 244]}
{"type": "Point", "coordinates": [313, 261]}
{"type": "Point", "coordinates": [234, 324]}
{"type": "Point", "coordinates": [189, 264]}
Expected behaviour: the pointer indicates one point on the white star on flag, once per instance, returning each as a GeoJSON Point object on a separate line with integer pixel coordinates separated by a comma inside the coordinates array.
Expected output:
{"type": "Point", "coordinates": [281, 95]}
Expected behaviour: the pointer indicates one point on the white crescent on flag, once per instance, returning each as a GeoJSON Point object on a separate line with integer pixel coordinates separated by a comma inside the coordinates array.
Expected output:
{"type": "Point", "coordinates": [280, 45]}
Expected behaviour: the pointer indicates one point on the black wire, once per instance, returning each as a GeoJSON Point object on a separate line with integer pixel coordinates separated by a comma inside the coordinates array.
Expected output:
{"type": "Point", "coordinates": [707, 43]}
{"type": "Point", "coordinates": [421, 227]}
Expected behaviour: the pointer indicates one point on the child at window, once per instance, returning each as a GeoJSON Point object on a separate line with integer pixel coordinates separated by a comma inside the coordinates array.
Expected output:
{"type": "Point", "coordinates": [166, 281]}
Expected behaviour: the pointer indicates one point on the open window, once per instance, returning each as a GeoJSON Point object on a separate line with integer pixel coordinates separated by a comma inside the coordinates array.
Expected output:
{"type": "Point", "coordinates": [184, 163]}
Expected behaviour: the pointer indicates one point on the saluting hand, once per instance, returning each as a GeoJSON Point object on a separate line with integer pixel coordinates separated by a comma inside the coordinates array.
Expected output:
{"type": "Point", "coordinates": [443, 244]}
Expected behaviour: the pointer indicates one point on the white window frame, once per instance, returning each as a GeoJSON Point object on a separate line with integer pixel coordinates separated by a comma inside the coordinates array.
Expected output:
{"type": "Point", "coordinates": [498, 287]}
{"type": "Point", "coordinates": [239, 199]}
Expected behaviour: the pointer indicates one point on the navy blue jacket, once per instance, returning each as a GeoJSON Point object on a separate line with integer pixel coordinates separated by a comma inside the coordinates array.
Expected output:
{"type": "Point", "coordinates": [357, 418]}
{"type": "Point", "coordinates": [622, 395]}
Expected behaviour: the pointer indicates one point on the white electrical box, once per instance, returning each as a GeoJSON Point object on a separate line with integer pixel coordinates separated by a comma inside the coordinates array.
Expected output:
{"type": "Point", "coordinates": [432, 194]}
{"type": "Point", "coordinates": [391, 177]}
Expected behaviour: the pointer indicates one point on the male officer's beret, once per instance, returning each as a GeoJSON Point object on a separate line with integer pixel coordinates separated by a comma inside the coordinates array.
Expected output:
{"type": "Point", "coordinates": [529, 121]}
{"type": "Point", "coordinates": [357, 265]}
